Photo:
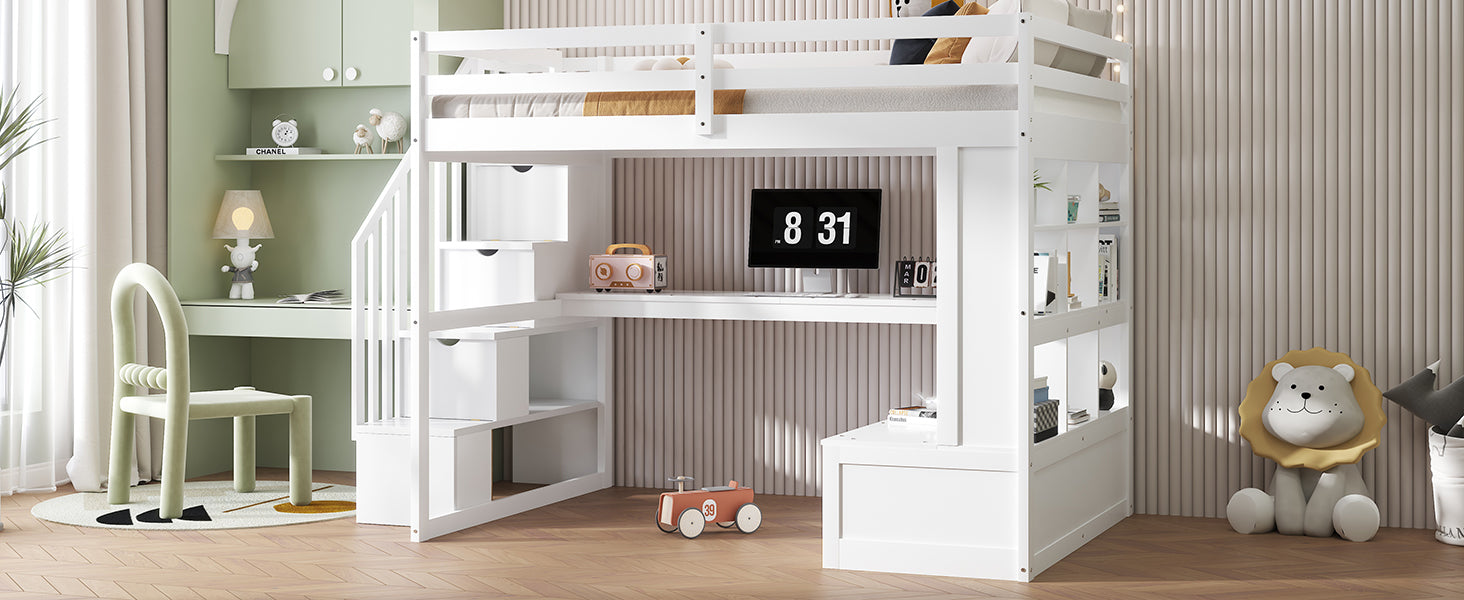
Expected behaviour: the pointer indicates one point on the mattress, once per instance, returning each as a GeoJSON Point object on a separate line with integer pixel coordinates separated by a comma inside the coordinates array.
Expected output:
{"type": "Point", "coordinates": [784, 101]}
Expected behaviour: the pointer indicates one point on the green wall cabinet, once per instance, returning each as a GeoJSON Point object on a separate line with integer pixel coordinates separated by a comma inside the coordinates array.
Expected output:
{"type": "Point", "coordinates": [319, 43]}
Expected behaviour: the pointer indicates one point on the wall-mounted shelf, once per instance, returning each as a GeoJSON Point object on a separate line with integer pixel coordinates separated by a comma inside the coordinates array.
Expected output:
{"type": "Point", "coordinates": [263, 317]}
{"type": "Point", "coordinates": [306, 157]}
{"type": "Point", "coordinates": [751, 306]}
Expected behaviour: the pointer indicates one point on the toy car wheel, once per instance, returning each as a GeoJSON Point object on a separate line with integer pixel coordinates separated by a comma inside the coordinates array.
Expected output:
{"type": "Point", "coordinates": [749, 518]}
{"type": "Point", "coordinates": [662, 526]}
{"type": "Point", "coordinates": [691, 522]}
{"type": "Point", "coordinates": [727, 525]}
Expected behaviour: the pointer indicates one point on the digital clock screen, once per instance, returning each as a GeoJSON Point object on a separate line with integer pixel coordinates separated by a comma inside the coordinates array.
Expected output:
{"type": "Point", "coordinates": [814, 228]}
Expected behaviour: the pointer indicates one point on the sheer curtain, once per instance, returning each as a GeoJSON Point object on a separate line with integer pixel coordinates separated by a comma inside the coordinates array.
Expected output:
{"type": "Point", "coordinates": [99, 68]}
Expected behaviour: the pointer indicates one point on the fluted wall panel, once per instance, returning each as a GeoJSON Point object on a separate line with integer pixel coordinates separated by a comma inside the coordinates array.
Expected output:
{"type": "Point", "coordinates": [1297, 183]}
{"type": "Point", "coordinates": [1297, 186]}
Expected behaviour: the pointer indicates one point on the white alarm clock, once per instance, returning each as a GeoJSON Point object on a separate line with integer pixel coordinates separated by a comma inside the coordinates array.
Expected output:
{"type": "Point", "coordinates": [285, 133]}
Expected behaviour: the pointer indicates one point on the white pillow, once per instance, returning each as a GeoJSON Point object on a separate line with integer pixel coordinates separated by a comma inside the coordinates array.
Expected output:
{"type": "Point", "coordinates": [717, 63]}
{"type": "Point", "coordinates": [1004, 48]}
{"type": "Point", "coordinates": [1051, 10]}
{"type": "Point", "coordinates": [993, 49]}
{"type": "Point", "coordinates": [667, 64]}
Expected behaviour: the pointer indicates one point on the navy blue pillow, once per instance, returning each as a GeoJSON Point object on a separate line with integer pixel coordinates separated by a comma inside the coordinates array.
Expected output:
{"type": "Point", "coordinates": [912, 52]}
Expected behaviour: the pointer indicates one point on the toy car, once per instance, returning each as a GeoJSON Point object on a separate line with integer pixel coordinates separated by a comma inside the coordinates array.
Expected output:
{"type": "Point", "coordinates": [689, 511]}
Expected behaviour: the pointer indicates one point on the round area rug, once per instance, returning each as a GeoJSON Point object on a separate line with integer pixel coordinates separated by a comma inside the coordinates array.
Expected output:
{"type": "Point", "coordinates": [207, 505]}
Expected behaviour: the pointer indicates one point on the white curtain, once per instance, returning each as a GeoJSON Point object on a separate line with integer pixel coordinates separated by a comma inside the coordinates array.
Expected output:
{"type": "Point", "coordinates": [99, 68]}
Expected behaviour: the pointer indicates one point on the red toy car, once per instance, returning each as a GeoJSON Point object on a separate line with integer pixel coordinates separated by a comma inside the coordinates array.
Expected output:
{"type": "Point", "coordinates": [689, 511]}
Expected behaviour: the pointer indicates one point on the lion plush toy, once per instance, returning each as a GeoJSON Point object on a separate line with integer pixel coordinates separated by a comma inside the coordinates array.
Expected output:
{"type": "Point", "coordinates": [1315, 413]}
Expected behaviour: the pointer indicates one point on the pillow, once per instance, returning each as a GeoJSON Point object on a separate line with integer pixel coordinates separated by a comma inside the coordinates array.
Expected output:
{"type": "Point", "coordinates": [1077, 61]}
{"type": "Point", "coordinates": [949, 50]}
{"type": "Point", "coordinates": [913, 52]}
{"type": "Point", "coordinates": [994, 49]}
{"type": "Point", "coordinates": [1052, 10]}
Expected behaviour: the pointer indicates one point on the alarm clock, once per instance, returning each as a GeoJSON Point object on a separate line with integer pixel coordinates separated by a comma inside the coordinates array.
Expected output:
{"type": "Point", "coordinates": [640, 271]}
{"type": "Point", "coordinates": [285, 133]}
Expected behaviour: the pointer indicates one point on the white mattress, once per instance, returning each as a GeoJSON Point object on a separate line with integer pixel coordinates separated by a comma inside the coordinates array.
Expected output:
{"type": "Point", "coordinates": [821, 100]}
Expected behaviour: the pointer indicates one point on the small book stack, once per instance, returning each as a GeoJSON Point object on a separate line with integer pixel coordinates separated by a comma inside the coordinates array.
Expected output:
{"type": "Point", "coordinates": [913, 416]}
{"type": "Point", "coordinates": [1077, 417]}
{"type": "Point", "coordinates": [1107, 206]}
{"type": "Point", "coordinates": [280, 151]}
{"type": "Point", "coordinates": [320, 297]}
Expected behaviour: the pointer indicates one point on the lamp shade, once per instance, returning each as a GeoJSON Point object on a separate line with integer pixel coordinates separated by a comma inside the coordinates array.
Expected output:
{"type": "Point", "coordinates": [242, 215]}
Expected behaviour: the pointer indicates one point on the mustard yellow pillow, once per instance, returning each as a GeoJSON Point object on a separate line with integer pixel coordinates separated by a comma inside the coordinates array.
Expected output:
{"type": "Point", "coordinates": [949, 50]}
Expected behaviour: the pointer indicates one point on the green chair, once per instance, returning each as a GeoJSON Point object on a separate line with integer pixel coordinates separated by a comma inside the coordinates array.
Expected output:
{"type": "Point", "coordinates": [176, 406]}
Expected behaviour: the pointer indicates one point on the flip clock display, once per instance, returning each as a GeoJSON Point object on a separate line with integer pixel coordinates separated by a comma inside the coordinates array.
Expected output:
{"type": "Point", "coordinates": [914, 277]}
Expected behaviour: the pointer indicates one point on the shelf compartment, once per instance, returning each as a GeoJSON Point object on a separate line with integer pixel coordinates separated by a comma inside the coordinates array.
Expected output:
{"type": "Point", "coordinates": [751, 306]}
{"type": "Point", "coordinates": [263, 317]}
{"type": "Point", "coordinates": [1077, 438]}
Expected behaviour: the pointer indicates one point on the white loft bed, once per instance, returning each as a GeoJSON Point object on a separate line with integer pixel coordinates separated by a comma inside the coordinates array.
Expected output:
{"type": "Point", "coordinates": [1014, 510]}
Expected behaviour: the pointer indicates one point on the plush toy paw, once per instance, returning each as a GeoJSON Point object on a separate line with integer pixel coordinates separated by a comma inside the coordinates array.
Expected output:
{"type": "Point", "coordinates": [1356, 518]}
{"type": "Point", "coordinates": [1251, 511]}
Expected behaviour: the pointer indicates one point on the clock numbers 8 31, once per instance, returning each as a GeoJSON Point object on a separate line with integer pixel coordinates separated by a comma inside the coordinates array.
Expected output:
{"type": "Point", "coordinates": [800, 227]}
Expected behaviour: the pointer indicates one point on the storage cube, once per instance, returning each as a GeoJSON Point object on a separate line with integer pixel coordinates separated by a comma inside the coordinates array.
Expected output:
{"type": "Point", "coordinates": [477, 377]}
{"type": "Point", "coordinates": [461, 472]}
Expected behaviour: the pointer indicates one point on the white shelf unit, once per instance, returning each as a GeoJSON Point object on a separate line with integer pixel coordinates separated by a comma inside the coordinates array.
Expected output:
{"type": "Point", "coordinates": [503, 288]}
{"type": "Point", "coordinates": [975, 497]}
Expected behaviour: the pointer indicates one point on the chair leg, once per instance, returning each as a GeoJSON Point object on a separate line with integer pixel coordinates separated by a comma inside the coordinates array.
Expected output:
{"type": "Point", "coordinates": [244, 454]}
{"type": "Point", "coordinates": [175, 447]}
{"type": "Point", "coordinates": [300, 452]}
{"type": "Point", "coordinates": [119, 484]}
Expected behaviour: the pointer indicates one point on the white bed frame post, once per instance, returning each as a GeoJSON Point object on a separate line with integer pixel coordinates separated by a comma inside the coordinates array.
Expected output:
{"type": "Point", "coordinates": [948, 339]}
{"type": "Point", "coordinates": [705, 35]}
{"type": "Point", "coordinates": [421, 305]}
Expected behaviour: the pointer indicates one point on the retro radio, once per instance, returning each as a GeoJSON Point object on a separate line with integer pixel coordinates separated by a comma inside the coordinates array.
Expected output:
{"type": "Point", "coordinates": [642, 271]}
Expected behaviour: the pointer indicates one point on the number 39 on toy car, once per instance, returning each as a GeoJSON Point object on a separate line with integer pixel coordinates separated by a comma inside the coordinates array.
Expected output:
{"type": "Point", "coordinates": [689, 511]}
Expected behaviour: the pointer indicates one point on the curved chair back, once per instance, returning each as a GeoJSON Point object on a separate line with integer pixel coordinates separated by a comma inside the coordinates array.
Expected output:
{"type": "Point", "coordinates": [174, 377]}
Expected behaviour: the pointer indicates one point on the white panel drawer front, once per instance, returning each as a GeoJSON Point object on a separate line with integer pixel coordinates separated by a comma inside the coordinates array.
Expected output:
{"type": "Point", "coordinates": [934, 506]}
{"type": "Point", "coordinates": [478, 379]}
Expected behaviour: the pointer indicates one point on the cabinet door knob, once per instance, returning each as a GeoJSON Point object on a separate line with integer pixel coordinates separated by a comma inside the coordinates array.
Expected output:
{"type": "Point", "coordinates": [352, 73]}
{"type": "Point", "coordinates": [328, 74]}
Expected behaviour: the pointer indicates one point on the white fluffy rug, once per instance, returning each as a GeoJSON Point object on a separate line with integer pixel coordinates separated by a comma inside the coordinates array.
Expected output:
{"type": "Point", "coordinates": [207, 505]}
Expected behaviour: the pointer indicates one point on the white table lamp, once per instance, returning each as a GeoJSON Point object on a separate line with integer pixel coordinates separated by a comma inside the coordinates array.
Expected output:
{"type": "Point", "coordinates": [242, 217]}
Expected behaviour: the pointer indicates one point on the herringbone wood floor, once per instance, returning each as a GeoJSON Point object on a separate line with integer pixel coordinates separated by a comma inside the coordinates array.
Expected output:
{"type": "Point", "coordinates": [604, 545]}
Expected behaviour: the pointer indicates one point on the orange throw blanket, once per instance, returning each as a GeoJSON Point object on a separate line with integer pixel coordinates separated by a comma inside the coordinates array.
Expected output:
{"type": "Point", "coordinates": [677, 102]}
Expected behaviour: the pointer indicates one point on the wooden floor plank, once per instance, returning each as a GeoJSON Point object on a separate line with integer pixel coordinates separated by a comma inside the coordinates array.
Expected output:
{"type": "Point", "coordinates": [603, 546]}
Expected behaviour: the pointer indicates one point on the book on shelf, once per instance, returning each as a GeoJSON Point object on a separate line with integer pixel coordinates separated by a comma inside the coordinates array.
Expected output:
{"type": "Point", "coordinates": [1040, 392]}
{"type": "Point", "coordinates": [1077, 417]}
{"type": "Point", "coordinates": [318, 297]}
{"type": "Point", "coordinates": [279, 151]}
{"type": "Point", "coordinates": [1107, 267]}
{"type": "Point", "coordinates": [1109, 217]}
{"type": "Point", "coordinates": [1044, 281]}
{"type": "Point", "coordinates": [918, 416]}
